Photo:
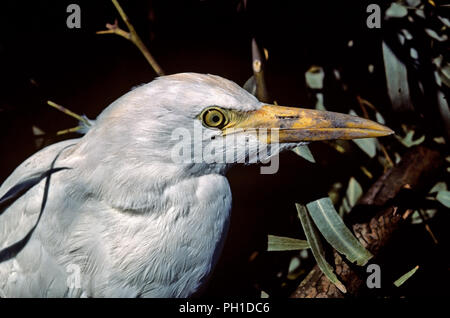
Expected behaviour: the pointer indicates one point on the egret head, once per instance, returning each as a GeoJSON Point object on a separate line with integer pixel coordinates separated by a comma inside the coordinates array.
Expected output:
{"type": "Point", "coordinates": [206, 122]}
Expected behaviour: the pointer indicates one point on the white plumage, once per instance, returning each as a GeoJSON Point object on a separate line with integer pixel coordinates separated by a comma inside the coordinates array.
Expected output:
{"type": "Point", "coordinates": [121, 213]}
{"type": "Point", "coordinates": [135, 223]}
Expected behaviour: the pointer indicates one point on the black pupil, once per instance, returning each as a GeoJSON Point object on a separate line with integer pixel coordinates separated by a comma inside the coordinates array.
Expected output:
{"type": "Point", "coordinates": [215, 118]}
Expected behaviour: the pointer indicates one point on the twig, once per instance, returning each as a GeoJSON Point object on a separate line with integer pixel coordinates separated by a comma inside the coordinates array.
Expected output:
{"type": "Point", "coordinates": [364, 102]}
{"type": "Point", "coordinates": [427, 226]}
{"type": "Point", "coordinates": [68, 131]}
{"type": "Point", "coordinates": [131, 36]}
{"type": "Point", "coordinates": [69, 112]}
{"type": "Point", "coordinates": [386, 155]}
{"type": "Point", "coordinates": [361, 102]}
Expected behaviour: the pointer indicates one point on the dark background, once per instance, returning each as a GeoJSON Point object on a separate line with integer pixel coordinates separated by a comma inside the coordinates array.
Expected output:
{"type": "Point", "coordinates": [41, 59]}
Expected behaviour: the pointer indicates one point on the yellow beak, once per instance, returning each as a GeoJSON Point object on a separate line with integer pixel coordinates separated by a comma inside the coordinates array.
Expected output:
{"type": "Point", "coordinates": [298, 124]}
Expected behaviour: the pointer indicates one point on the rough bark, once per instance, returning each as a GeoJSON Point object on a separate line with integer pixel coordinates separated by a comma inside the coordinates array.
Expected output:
{"type": "Point", "coordinates": [376, 217]}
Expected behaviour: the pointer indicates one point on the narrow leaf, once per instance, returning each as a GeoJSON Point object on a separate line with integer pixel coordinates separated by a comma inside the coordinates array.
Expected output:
{"type": "Point", "coordinates": [319, 102]}
{"type": "Point", "coordinates": [354, 192]}
{"type": "Point", "coordinates": [380, 118]}
{"type": "Point", "coordinates": [250, 85]}
{"type": "Point", "coordinates": [280, 243]}
{"type": "Point", "coordinates": [396, 10]}
{"type": "Point", "coordinates": [405, 277]}
{"type": "Point", "coordinates": [408, 140]}
{"type": "Point", "coordinates": [314, 77]}
{"type": "Point", "coordinates": [444, 197]}
{"type": "Point", "coordinates": [316, 247]}
{"type": "Point", "coordinates": [304, 152]}
{"type": "Point", "coordinates": [295, 268]}
{"type": "Point", "coordinates": [368, 145]}
{"type": "Point", "coordinates": [396, 80]}
{"type": "Point", "coordinates": [336, 233]}
{"type": "Point", "coordinates": [438, 187]}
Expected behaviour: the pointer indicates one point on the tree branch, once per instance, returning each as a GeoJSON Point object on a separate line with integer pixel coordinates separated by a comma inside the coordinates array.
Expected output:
{"type": "Point", "coordinates": [131, 36]}
{"type": "Point", "coordinates": [384, 205]}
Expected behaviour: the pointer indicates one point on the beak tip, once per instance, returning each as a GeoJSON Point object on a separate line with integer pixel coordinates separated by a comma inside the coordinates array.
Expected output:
{"type": "Point", "coordinates": [389, 132]}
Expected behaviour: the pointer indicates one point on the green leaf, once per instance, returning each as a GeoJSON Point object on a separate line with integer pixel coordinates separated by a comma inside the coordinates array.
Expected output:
{"type": "Point", "coordinates": [316, 247]}
{"type": "Point", "coordinates": [294, 264]}
{"type": "Point", "coordinates": [438, 187]}
{"type": "Point", "coordinates": [408, 140]}
{"type": "Point", "coordinates": [368, 145]}
{"type": "Point", "coordinates": [444, 72]}
{"type": "Point", "coordinates": [314, 77]}
{"type": "Point", "coordinates": [319, 102]}
{"type": "Point", "coordinates": [405, 277]}
{"type": "Point", "coordinates": [295, 268]}
{"type": "Point", "coordinates": [396, 10]}
{"type": "Point", "coordinates": [443, 196]}
{"type": "Point", "coordinates": [250, 85]}
{"type": "Point", "coordinates": [334, 192]}
{"type": "Point", "coordinates": [439, 140]}
{"type": "Point", "coordinates": [304, 152]}
{"type": "Point", "coordinates": [398, 158]}
{"type": "Point", "coordinates": [280, 243]}
{"type": "Point", "coordinates": [416, 217]}
{"type": "Point", "coordinates": [354, 192]}
{"type": "Point", "coordinates": [336, 233]}
{"type": "Point", "coordinates": [380, 118]}
{"type": "Point", "coordinates": [396, 80]}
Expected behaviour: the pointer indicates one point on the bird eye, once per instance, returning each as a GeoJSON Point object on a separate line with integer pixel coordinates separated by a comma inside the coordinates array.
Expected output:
{"type": "Point", "coordinates": [214, 117]}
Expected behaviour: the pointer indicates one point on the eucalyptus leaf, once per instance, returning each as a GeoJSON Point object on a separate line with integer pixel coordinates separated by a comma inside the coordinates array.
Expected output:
{"type": "Point", "coordinates": [437, 37]}
{"type": "Point", "coordinates": [336, 232]}
{"type": "Point", "coordinates": [444, 110]}
{"type": "Point", "coordinates": [413, 3]}
{"type": "Point", "coordinates": [304, 152]}
{"type": "Point", "coordinates": [420, 13]}
{"type": "Point", "coordinates": [398, 158]}
{"type": "Point", "coordinates": [294, 264]}
{"type": "Point", "coordinates": [314, 77]}
{"type": "Point", "coordinates": [264, 294]}
{"type": "Point", "coordinates": [408, 141]}
{"type": "Point", "coordinates": [438, 187]}
{"type": "Point", "coordinates": [444, 21]}
{"type": "Point", "coordinates": [396, 80]}
{"type": "Point", "coordinates": [319, 102]}
{"type": "Point", "coordinates": [334, 192]}
{"type": "Point", "coordinates": [318, 252]}
{"type": "Point", "coordinates": [444, 73]}
{"type": "Point", "coordinates": [380, 118]}
{"type": "Point", "coordinates": [280, 243]}
{"type": "Point", "coordinates": [405, 277]}
{"type": "Point", "coordinates": [250, 85]}
{"type": "Point", "coordinates": [443, 196]}
{"type": "Point", "coordinates": [439, 140]}
{"type": "Point", "coordinates": [346, 206]}
{"type": "Point", "coordinates": [295, 268]}
{"type": "Point", "coordinates": [416, 217]}
{"type": "Point", "coordinates": [354, 192]}
{"type": "Point", "coordinates": [396, 10]}
{"type": "Point", "coordinates": [368, 145]}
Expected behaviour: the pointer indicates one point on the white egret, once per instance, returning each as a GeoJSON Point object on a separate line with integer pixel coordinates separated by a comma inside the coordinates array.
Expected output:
{"type": "Point", "coordinates": [112, 214]}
